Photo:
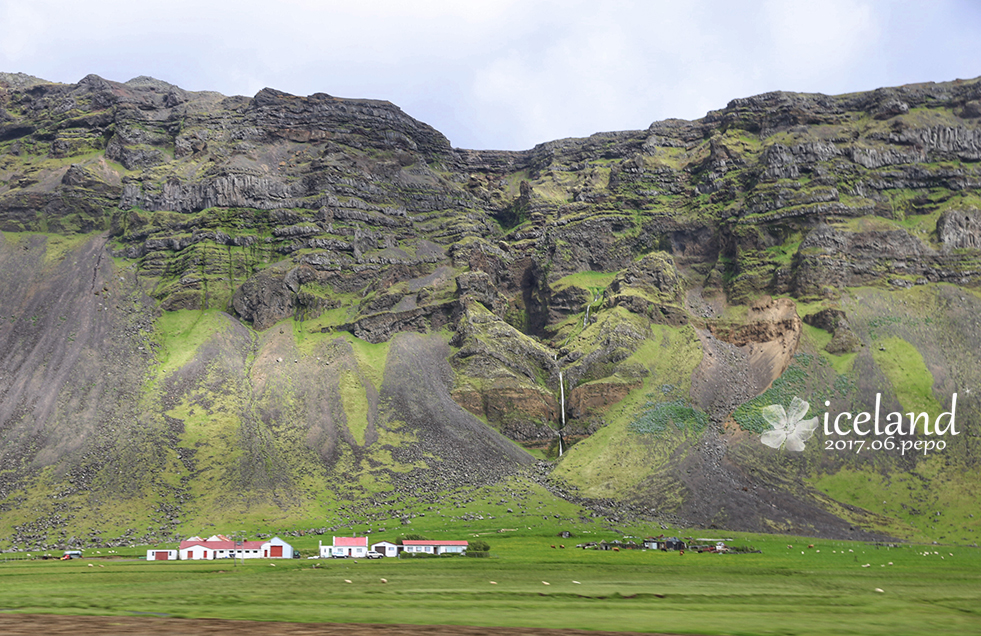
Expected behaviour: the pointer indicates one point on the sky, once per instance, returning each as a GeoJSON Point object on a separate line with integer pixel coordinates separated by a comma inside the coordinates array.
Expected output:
{"type": "Point", "coordinates": [503, 74]}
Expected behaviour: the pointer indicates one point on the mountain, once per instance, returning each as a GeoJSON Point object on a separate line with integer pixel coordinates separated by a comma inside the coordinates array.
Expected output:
{"type": "Point", "coordinates": [285, 309]}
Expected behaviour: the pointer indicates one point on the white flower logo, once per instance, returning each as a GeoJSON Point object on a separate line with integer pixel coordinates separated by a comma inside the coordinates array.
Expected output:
{"type": "Point", "coordinates": [790, 427]}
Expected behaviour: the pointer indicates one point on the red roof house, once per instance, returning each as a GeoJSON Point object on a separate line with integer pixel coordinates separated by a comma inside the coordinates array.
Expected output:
{"type": "Point", "coordinates": [221, 547]}
{"type": "Point", "coordinates": [354, 547]}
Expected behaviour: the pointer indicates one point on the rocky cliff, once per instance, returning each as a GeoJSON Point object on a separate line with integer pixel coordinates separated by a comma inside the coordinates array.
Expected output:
{"type": "Point", "coordinates": [288, 293]}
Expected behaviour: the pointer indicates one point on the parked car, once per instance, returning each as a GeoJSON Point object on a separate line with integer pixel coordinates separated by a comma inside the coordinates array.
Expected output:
{"type": "Point", "coordinates": [375, 555]}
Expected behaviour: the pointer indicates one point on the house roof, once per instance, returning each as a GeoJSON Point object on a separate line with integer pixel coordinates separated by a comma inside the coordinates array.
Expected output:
{"type": "Point", "coordinates": [427, 542]}
{"type": "Point", "coordinates": [350, 542]}
{"type": "Point", "coordinates": [222, 545]}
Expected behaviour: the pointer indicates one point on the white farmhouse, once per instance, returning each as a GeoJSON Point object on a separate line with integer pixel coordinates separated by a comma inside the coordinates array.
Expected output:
{"type": "Point", "coordinates": [353, 547]}
{"type": "Point", "coordinates": [425, 546]}
{"type": "Point", "coordinates": [221, 547]}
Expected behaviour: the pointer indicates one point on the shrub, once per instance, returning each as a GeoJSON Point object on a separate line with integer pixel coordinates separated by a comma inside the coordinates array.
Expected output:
{"type": "Point", "coordinates": [478, 546]}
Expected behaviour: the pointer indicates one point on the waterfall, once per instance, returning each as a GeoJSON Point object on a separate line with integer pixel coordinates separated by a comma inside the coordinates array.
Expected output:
{"type": "Point", "coordinates": [562, 398]}
{"type": "Point", "coordinates": [562, 402]}
{"type": "Point", "coordinates": [585, 321]}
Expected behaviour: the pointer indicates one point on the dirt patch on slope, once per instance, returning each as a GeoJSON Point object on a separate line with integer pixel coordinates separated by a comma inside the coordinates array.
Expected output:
{"type": "Point", "coordinates": [741, 361]}
{"type": "Point", "coordinates": [416, 391]}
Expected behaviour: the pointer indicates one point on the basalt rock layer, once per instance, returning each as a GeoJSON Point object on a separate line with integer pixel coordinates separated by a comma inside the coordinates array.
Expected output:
{"type": "Point", "coordinates": [303, 295]}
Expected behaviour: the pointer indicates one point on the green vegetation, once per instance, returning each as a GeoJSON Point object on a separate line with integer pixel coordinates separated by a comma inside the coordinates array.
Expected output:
{"type": "Point", "coordinates": [179, 334]}
{"type": "Point", "coordinates": [910, 378]}
{"type": "Point", "coordinates": [593, 281]}
{"type": "Point", "coordinates": [792, 383]}
{"type": "Point", "coordinates": [355, 404]}
{"type": "Point", "coordinates": [926, 502]}
{"type": "Point", "coordinates": [679, 413]}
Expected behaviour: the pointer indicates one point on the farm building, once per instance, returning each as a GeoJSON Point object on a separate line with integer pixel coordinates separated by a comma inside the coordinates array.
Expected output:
{"type": "Point", "coordinates": [221, 547]}
{"type": "Point", "coordinates": [386, 549]}
{"type": "Point", "coordinates": [354, 547]}
{"type": "Point", "coordinates": [673, 543]}
{"type": "Point", "coordinates": [425, 546]}
{"type": "Point", "coordinates": [161, 555]}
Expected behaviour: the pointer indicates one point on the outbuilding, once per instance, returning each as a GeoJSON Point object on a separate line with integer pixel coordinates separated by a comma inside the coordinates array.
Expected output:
{"type": "Point", "coordinates": [673, 543]}
{"type": "Point", "coordinates": [386, 549]}
{"type": "Point", "coordinates": [161, 555]}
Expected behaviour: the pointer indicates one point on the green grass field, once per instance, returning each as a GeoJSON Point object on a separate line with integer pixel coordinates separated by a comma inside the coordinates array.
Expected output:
{"type": "Point", "coordinates": [782, 590]}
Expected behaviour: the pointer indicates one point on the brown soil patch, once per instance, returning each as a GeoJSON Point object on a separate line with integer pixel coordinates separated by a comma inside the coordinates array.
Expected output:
{"type": "Point", "coordinates": [740, 362]}
{"type": "Point", "coordinates": [32, 624]}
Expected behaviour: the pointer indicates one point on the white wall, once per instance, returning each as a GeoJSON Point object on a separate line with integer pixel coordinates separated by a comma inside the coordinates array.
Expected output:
{"type": "Point", "coordinates": [287, 548]}
{"type": "Point", "coordinates": [151, 555]}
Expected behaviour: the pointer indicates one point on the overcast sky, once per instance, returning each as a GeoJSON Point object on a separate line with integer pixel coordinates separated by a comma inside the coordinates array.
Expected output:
{"type": "Point", "coordinates": [503, 74]}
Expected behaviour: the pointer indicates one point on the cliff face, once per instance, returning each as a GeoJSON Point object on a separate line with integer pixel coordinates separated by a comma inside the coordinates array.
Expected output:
{"type": "Point", "coordinates": [288, 292]}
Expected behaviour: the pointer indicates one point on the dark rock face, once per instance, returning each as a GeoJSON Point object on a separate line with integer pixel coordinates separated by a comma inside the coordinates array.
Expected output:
{"type": "Point", "coordinates": [830, 258]}
{"type": "Point", "coordinates": [960, 229]}
{"type": "Point", "coordinates": [833, 321]}
{"type": "Point", "coordinates": [272, 295]}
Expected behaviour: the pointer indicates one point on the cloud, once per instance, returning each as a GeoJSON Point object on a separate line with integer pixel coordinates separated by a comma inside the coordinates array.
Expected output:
{"type": "Point", "coordinates": [21, 26]}
{"type": "Point", "coordinates": [819, 40]}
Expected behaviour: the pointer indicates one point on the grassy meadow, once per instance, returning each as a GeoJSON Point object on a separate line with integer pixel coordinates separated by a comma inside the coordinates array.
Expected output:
{"type": "Point", "coordinates": [834, 587]}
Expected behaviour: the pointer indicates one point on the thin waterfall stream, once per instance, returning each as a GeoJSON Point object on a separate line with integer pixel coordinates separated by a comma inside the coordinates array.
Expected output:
{"type": "Point", "coordinates": [562, 402]}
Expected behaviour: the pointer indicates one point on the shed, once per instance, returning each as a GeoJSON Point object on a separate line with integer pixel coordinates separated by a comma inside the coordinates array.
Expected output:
{"type": "Point", "coordinates": [161, 555]}
{"type": "Point", "coordinates": [673, 543]}
{"type": "Point", "coordinates": [386, 548]}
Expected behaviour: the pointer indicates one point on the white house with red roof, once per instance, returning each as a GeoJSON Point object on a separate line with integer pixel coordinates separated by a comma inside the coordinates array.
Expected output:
{"type": "Point", "coordinates": [353, 547]}
{"type": "Point", "coordinates": [221, 547]}
{"type": "Point", "coordinates": [425, 546]}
